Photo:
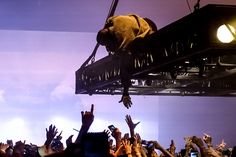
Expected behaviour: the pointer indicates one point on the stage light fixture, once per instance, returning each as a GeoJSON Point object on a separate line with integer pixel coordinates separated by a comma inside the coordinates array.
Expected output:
{"type": "Point", "coordinates": [226, 33]}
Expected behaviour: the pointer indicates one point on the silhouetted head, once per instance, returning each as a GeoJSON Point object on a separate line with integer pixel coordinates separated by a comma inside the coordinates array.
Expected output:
{"type": "Point", "coordinates": [107, 39]}
{"type": "Point", "coordinates": [104, 37]}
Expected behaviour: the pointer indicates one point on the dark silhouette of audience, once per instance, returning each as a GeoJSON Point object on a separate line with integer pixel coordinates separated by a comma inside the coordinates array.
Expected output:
{"type": "Point", "coordinates": [111, 143]}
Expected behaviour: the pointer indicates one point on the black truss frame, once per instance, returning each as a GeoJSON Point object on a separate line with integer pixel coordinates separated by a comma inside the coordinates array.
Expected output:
{"type": "Point", "coordinates": [184, 58]}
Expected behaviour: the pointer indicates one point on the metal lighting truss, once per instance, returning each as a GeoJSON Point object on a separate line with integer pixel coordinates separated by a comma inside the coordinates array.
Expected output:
{"type": "Point", "coordinates": [184, 58]}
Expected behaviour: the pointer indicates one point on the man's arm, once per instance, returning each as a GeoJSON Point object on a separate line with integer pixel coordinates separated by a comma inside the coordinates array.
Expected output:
{"type": "Point", "coordinates": [87, 120]}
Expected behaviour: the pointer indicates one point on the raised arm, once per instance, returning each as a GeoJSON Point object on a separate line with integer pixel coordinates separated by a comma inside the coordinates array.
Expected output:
{"type": "Point", "coordinates": [126, 99]}
{"type": "Point", "coordinates": [200, 144]}
{"type": "Point", "coordinates": [131, 125]}
{"type": "Point", "coordinates": [139, 142]}
{"type": "Point", "coordinates": [172, 147]}
{"type": "Point", "coordinates": [137, 147]}
{"type": "Point", "coordinates": [163, 150]}
{"type": "Point", "coordinates": [117, 136]}
{"type": "Point", "coordinates": [87, 120]}
{"type": "Point", "coordinates": [208, 140]}
{"type": "Point", "coordinates": [51, 132]}
{"type": "Point", "coordinates": [18, 150]}
{"type": "Point", "coordinates": [3, 148]}
{"type": "Point", "coordinates": [127, 147]}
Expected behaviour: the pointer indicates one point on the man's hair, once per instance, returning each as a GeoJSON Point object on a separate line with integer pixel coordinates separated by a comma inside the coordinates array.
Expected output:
{"type": "Point", "coordinates": [103, 37]}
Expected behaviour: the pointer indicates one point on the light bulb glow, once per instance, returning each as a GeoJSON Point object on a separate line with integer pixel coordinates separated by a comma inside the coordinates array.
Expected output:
{"type": "Point", "coordinates": [226, 34]}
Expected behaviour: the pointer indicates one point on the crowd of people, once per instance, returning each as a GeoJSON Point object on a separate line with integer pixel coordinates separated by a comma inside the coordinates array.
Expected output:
{"type": "Point", "coordinates": [111, 143]}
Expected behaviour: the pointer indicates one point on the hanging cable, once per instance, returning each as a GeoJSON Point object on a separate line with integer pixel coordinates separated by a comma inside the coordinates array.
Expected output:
{"type": "Point", "coordinates": [197, 5]}
{"type": "Point", "coordinates": [110, 13]}
{"type": "Point", "coordinates": [189, 6]}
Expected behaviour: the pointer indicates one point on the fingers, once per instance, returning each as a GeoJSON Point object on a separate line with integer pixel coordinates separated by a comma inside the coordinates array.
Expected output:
{"type": "Point", "coordinates": [137, 123]}
{"type": "Point", "coordinates": [52, 128]}
{"type": "Point", "coordinates": [86, 112]}
{"type": "Point", "coordinates": [121, 100]}
{"type": "Point", "coordinates": [223, 142]}
{"type": "Point", "coordinates": [125, 142]}
{"type": "Point", "coordinates": [206, 134]}
{"type": "Point", "coordinates": [70, 137]}
{"type": "Point", "coordinates": [127, 103]}
{"type": "Point", "coordinates": [49, 128]}
{"type": "Point", "coordinates": [137, 136]}
{"type": "Point", "coordinates": [55, 130]}
{"type": "Point", "coordinates": [107, 132]}
{"type": "Point", "coordinates": [92, 108]}
{"type": "Point", "coordinates": [127, 117]}
{"type": "Point", "coordinates": [126, 136]}
{"type": "Point", "coordinates": [60, 133]}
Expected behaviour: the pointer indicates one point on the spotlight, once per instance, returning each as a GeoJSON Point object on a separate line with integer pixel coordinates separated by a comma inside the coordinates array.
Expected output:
{"type": "Point", "coordinates": [226, 33]}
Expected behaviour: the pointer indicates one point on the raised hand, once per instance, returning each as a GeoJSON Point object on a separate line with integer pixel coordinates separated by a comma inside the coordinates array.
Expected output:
{"type": "Point", "coordinates": [51, 132]}
{"type": "Point", "coordinates": [156, 145]}
{"type": "Point", "coordinates": [172, 147]}
{"type": "Point", "coordinates": [87, 120]}
{"type": "Point", "coordinates": [59, 137]}
{"type": "Point", "coordinates": [127, 146]}
{"type": "Point", "coordinates": [126, 136]}
{"type": "Point", "coordinates": [138, 138]}
{"type": "Point", "coordinates": [19, 148]}
{"type": "Point", "coordinates": [137, 148]}
{"type": "Point", "coordinates": [3, 147]}
{"type": "Point", "coordinates": [117, 135]}
{"type": "Point", "coordinates": [221, 146]}
{"type": "Point", "coordinates": [211, 152]}
{"type": "Point", "coordinates": [87, 117]}
{"type": "Point", "coordinates": [207, 139]}
{"type": "Point", "coordinates": [131, 124]}
{"type": "Point", "coordinates": [69, 140]}
{"type": "Point", "coordinates": [188, 141]}
{"type": "Point", "coordinates": [198, 141]}
{"type": "Point", "coordinates": [163, 150]}
{"type": "Point", "coordinates": [107, 132]}
{"type": "Point", "coordinates": [126, 99]}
